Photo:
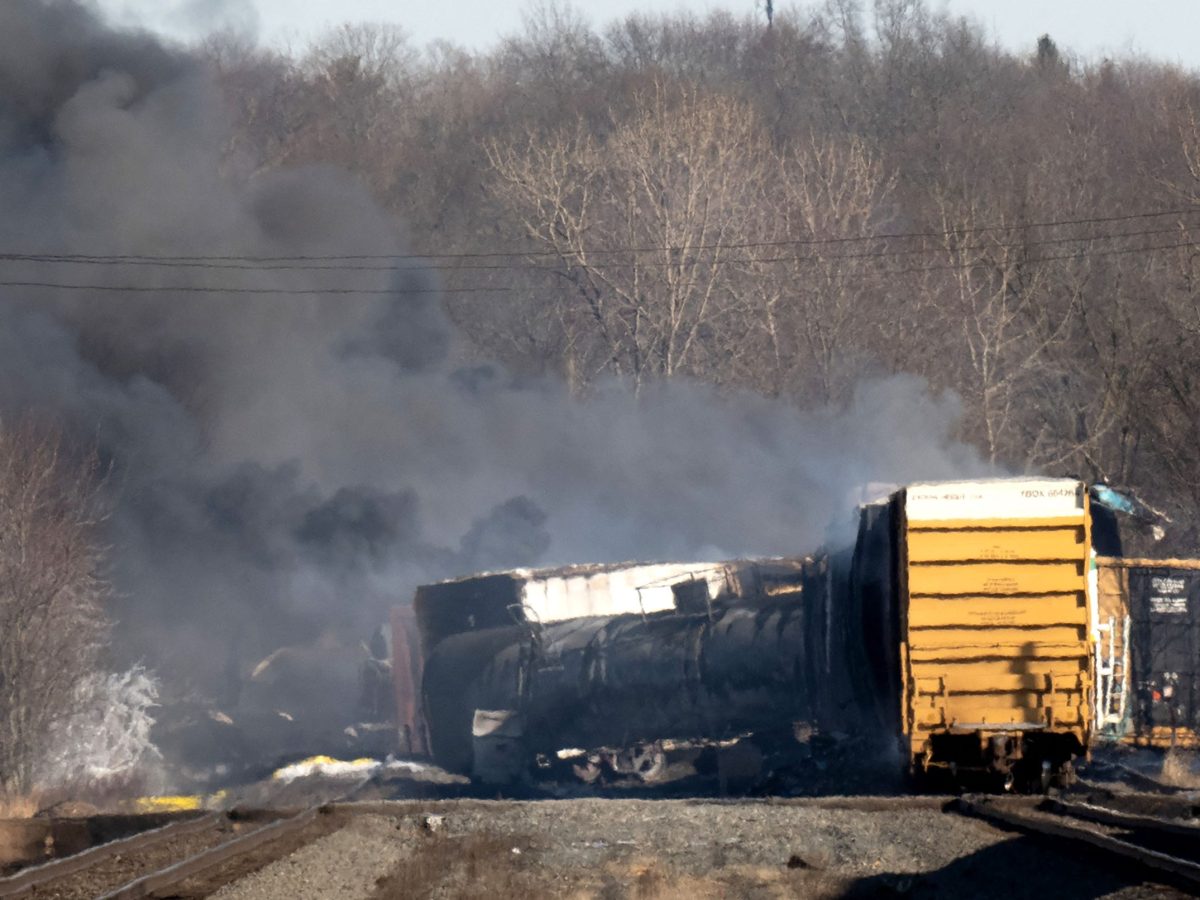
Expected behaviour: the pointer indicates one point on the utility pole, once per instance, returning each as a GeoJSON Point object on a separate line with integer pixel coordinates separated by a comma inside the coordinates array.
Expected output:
{"type": "Point", "coordinates": [770, 8]}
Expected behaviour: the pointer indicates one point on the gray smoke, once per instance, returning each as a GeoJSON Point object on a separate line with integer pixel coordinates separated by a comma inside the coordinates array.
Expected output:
{"type": "Point", "coordinates": [286, 465]}
{"type": "Point", "coordinates": [186, 19]}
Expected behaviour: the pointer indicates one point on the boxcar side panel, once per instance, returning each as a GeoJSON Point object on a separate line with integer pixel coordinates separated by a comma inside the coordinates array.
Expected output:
{"type": "Point", "coordinates": [996, 618]}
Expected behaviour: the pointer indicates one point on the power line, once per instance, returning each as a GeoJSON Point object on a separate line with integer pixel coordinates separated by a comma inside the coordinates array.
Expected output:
{"type": "Point", "coordinates": [202, 263]}
{"type": "Point", "coordinates": [417, 257]}
{"type": "Point", "coordinates": [1119, 251]}
{"type": "Point", "coordinates": [195, 289]}
{"type": "Point", "coordinates": [966, 248]}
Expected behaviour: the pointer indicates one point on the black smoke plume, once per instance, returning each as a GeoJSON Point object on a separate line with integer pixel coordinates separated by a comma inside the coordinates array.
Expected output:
{"type": "Point", "coordinates": [287, 464]}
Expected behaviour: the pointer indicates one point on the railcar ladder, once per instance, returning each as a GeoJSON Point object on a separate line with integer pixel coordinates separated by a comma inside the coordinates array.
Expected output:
{"type": "Point", "coordinates": [1112, 667]}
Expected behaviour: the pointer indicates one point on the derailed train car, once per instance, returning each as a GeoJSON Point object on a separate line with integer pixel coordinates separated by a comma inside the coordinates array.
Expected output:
{"type": "Point", "coordinates": [993, 626]}
{"type": "Point", "coordinates": [618, 685]}
{"type": "Point", "coordinates": [957, 627]}
{"type": "Point", "coordinates": [1148, 651]}
{"type": "Point", "coordinates": [696, 650]}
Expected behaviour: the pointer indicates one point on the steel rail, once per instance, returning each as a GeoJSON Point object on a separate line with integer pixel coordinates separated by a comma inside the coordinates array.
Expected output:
{"type": "Point", "coordinates": [1123, 774]}
{"type": "Point", "coordinates": [1149, 782]}
{"type": "Point", "coordinates": [855, 803]}
{"type": "Point", "coordinates": [862, 803]}
{"type": "Point", "coordinates": [148, 885]}
{"type": "Point", "coordinates": [1018, 816]}
{"type": "Point", "coordinates": [1130, 821]}
{"type": "Point", "coordinates": [28, 879]}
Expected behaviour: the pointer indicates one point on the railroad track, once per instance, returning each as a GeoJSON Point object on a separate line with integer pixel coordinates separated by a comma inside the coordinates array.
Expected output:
{"type": "Point", "coordinates": [1119, 773]}
{"type": "Point", "coordinates": [195, 858]}
{"type": "Point", "coordinates": [1165, 848]}
{"type": "Point", "coordinates": [184, 859]}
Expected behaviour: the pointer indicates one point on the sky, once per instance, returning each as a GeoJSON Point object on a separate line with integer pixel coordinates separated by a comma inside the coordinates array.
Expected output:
{"type": "Point", "coordinates": [1160, 29]}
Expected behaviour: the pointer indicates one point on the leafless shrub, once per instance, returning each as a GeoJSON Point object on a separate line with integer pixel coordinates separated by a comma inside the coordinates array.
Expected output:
{"type": "Point", "coordinates": [1181, 768]}
{"type": "Point", "coordinates": [101, 750]}
{"type": "Point", "coordinates": [20, 806]}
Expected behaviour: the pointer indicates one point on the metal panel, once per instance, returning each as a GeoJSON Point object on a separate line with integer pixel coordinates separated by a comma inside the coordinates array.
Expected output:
{"type": "Point", "coordinates": [995, 617]}
{"type": "Point", "coordinates": [967, 714]}
{"type": "Point", "coordinates": [1002, 498]}
{"type": "Point", "coordinates": [1165, 607]}
{"type": "Point", "coordinates": [407, 663]}
{"type": "Point", "coordinates": [1015, 642]}
{"type": "Point", "coordinates": [1030, 649]}
{"type": "Point", "coordinates": [1032, 577]}
{"type": "Point", "coordinates": [975, 611]}
{"type": "Point", "coordinates": [641, 588]}
{"type": "Point", "coordinates": [1006, 683]}
{"type": "Point", "coordinates": [998, 544]}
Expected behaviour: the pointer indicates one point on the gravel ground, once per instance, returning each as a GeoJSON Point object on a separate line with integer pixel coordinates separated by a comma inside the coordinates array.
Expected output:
{"type": "Point", "coordinates": [346, 864]}
{"type": "Point", "coordinates": [668, 849]}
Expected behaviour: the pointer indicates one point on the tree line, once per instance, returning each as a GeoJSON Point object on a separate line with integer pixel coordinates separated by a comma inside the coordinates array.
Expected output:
{"type": "Point", "coordinates": [846, 194]}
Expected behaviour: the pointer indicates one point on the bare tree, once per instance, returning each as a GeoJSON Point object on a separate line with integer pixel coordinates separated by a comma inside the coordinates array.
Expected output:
{"type": "Point", "coordinates": [991, 300]}
{"type": "Point", "coordinates": [644, 228]}
{"type": "Point", "coordinates": [820, 294]}
{"type": "Point", "coordinates": [656, 166]}
{"type": "Point", "coordinates": [51, 593]}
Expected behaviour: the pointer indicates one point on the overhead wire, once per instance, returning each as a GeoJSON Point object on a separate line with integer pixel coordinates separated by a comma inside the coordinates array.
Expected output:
{"type": "Point", "coordinates": [31, 256]}
{"type": "Point", "coordinates": [199, 289]}
{"type": "Point", "coordinates": [205, 263]}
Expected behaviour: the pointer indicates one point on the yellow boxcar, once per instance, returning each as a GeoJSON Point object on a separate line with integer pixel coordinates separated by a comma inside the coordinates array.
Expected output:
{"type": "Point", "coordinates": [995, 627]}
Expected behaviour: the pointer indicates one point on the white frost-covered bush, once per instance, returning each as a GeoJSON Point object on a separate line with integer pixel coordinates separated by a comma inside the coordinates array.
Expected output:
{"type": "Point", "coordinates": [107, 736]}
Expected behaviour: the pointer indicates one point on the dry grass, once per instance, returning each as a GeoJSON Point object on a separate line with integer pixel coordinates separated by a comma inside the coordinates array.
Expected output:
{"type": "Point", "coordinates": [1181, 768]}
{"type": "Point", "coordinates": [473, 867]}
{"type": "Point", "coordinates": [20, 806]}
{"type": "Point", "coordinates": [91, 796]}
{"type": "Point", "coordinates": [648, 879]}
{"type": "Point", "coordinates": [484, 867]}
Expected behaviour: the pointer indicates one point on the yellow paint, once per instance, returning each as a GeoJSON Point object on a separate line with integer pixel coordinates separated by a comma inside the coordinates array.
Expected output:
{"type": "Point", "coordinates": [1016, 642]}
{"type": "Point", "coordinates": [1164, 737]}
{"type": "Point", "coordinates": [172, 803]}
{"type": "Point", "coordinates": [996, 623]}
{"type": "Point", "coordinates": [961, 716]}
{"type": "Point", "coordinates": [1049, 609]}
{"type": "Point", "coordinates": [1002, 579]}
{"type": "Point", "coordinates": [970, 656]}
{"type": "Point", "coordinates": [323, 765]}
{"type": "Point", "coordinates": [1012, 524]}
{"type": "Point", "coordinates": [984, 670]}
{"type": "Point", "coordinates": [1008, 684]}
{"type": "Point", "coordinates": [998, 544]}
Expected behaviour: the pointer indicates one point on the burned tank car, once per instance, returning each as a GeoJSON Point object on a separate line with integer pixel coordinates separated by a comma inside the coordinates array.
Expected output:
{"type": "Point", "coordinates": [745, 648]}
{"type": "Point", "coordinates": [615, 682]}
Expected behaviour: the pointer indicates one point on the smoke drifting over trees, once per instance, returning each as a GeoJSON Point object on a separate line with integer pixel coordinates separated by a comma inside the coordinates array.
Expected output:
{"type": "Point", "coordinates": [846, 195]}
{"type": "Point", "coordinates": [296, 443]}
